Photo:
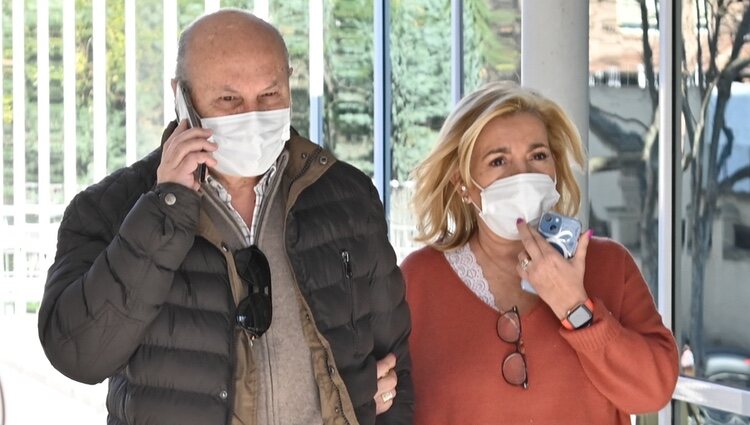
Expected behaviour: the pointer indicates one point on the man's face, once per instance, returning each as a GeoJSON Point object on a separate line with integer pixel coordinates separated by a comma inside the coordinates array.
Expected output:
{"type": "Point", "coordinates": [232, 75]}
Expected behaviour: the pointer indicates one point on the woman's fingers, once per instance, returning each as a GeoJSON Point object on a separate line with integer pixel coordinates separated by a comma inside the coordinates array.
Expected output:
{"type": "Point", "coordinates": [530, 244]}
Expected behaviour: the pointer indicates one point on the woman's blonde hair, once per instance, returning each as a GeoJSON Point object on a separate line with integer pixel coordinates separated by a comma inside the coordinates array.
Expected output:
{"type": "Point", "coordinates": [443, 219]}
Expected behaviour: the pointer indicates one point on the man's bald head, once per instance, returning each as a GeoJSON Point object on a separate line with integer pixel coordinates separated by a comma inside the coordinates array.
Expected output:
{"type": "Point", "coordinates": [212, 32]}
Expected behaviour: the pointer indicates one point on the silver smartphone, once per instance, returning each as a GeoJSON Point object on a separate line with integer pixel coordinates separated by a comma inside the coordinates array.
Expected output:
{"type": "Point", "coordinates": [561, 231]}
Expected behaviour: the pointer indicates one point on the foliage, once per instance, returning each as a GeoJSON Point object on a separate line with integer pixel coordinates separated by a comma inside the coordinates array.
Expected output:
{"type": "Point", "coordinates": [32, 306]}
{"type": "Point", "coordinates": [420, 59]}
{"type": "Point", "coordinates": [348, 99]}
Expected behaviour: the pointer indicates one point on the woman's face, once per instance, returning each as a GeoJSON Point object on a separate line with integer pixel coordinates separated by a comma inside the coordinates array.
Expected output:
{"type": "Point", "coordinates": [510, 145]}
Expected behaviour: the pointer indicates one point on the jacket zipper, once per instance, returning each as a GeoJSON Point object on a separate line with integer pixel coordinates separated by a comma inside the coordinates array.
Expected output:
{"type": "Point", "coordinates": [347, 270]}
{"type": "Point", "coordinates": [286, 214]}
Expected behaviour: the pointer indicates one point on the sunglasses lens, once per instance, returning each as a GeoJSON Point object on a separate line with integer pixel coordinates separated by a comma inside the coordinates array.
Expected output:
{"type": "Point", "coordinates": [514, 369]}
{"type": "Point", "coordinates": [252, 266]}
{"type": "Point", "coordinates": [509, 327]}
{"type": "Point", "coordinates": [254, 314]}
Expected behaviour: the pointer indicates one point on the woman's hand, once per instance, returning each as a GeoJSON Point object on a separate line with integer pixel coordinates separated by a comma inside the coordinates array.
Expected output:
{"type": "Point", "coordinates": [182, 153]}
{"type": "Point", "coordinates": [557, 281]}
{"type": "Point", "coordinates": [387, 381]}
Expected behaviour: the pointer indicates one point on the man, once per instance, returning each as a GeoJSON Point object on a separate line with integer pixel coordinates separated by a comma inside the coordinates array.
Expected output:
{"type": "Point", "coordinates": [264, 294]}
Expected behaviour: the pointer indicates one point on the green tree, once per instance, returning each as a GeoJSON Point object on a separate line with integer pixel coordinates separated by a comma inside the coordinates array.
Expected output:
{"type": "Point", "coordinates": [348, 97]}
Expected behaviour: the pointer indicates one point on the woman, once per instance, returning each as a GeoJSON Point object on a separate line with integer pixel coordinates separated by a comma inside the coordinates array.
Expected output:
{"type": "Point", "coordinates": [584, 344]}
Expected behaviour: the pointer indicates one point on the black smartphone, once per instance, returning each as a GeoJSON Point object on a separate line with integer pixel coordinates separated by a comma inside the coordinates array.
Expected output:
{"type": "Point", "coordinates": [185, 110]}
{"type": "Point", "coordinates": [561, 231]}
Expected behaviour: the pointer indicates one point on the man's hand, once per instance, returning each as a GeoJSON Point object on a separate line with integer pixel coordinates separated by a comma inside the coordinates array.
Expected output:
{"type": "Point", "coordinates": [182, 153]}
{"type": "Point", "coordinates": [387, 381]}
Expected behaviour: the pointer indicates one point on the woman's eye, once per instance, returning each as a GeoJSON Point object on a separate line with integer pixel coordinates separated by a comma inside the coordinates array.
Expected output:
{"type": "Point", "coordinates": [269, 94]}
{"type": "Point", "coordinates": [227, 98]}
{"type": "Point", "coordinates": [498, 162]}
{"type": "Point", "coordinates": [540, 156]}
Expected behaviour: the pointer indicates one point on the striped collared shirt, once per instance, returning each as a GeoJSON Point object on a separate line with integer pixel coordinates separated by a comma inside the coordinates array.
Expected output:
{"type": "Point", "coordinates": [261, 188]}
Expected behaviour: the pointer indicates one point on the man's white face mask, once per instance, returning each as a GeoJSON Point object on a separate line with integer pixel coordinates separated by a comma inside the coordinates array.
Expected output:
{"type": "Point", "coordinates": [249, 143]}
{"type": "Point", "coordinates": [526, 195]}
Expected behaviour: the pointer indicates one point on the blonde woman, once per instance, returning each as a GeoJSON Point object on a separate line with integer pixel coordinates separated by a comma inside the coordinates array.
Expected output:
{"type": "Point", "coordinates": [584, 344]}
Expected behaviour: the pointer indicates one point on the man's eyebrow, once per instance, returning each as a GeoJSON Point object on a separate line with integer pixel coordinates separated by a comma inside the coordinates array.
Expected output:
{"type": "Point", "coordinates": [273, 85]}
{"type": "Point", "coordinates": [227, 87]}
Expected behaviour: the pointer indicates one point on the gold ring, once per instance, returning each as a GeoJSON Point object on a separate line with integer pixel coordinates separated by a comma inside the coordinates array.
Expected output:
{"type": "Point", "coordinates": [387, 396]}
{"type": "Point", "coordinates": [525, 263]}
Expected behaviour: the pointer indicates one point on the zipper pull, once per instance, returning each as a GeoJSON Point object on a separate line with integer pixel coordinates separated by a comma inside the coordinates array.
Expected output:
{"type": "Point", "coordinates": [347, 263]}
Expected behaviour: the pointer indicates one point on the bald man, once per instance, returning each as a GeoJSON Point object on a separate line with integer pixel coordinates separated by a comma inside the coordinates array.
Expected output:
{"type": "Point", "coordinates": [238, 274]}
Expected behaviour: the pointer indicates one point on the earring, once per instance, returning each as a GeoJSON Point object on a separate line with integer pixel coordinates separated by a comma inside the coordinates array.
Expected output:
{"type": "Point", "coordinates": [464, 195]}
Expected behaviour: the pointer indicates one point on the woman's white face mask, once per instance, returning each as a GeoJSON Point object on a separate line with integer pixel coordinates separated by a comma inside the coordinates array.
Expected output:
{"type": "Point", "coordinates": [249, 143]}
{"type": "Point", "coordinates": [526, 196]}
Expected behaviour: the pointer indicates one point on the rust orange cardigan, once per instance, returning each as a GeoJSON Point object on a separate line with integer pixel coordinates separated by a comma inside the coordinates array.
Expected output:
{"type": "Point", "coordinates": [625, 362]}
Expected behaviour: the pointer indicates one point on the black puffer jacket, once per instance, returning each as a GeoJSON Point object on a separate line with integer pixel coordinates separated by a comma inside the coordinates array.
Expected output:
{"type": "Point", "coordinates": [136, 295]}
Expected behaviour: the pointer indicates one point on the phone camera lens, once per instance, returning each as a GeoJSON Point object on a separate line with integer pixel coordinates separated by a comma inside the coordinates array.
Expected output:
{"type": "Point", "coordinates": [547, 218]}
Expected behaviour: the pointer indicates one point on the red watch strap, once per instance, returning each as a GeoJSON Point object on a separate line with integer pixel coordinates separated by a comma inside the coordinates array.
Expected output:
{"type": "Point", "coordinates": [566, 324]}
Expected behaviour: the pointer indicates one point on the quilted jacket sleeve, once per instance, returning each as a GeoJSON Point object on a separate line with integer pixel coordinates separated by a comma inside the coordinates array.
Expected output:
{"type": "Point", "coordinates": [391, 320]}
{"type": "Point", "coordinates": [108, 281]}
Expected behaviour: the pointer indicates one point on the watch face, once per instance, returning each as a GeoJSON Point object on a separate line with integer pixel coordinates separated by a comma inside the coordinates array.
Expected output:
{"type": "Point", "coordinates": [579, 317]}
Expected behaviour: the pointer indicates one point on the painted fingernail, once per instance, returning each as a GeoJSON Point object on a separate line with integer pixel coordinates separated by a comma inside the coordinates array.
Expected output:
{"type": "Point", "coordinates": [519, 220]}
{"type": "Point", "coordinates": [591, 233]}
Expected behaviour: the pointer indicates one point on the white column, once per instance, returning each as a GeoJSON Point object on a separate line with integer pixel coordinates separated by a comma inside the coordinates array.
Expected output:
{"type": "Point", "coordinates": [555, 61]}
{"type": "Point", "coordinates": [316, 60]}
{"type": "Point", "coordinates": [19, 136]}
{"type": "Point", "coordinates": [42, 80]}
{"type": "Point", "coordinates": [70, 177]}
{"type": "Point", "coordinates": [211, 6]}
{"type": "Point", "coordinates": [98, 17]}
{"type": "Point", "coordinates": [260, 9]}
{"type": "Point", "coordinates": [170, 57]}
{"type": "Point", "coordinates": [131, 115]}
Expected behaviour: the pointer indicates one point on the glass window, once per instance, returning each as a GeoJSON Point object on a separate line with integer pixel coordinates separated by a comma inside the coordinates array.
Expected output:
{"type": "Point", "coordinates": [492, 42]}
{"type": "Point", "coordinates": [624, 127]}
{"type": "Point", "coordinates": [348, 87]}
{"type": "Point", "coordinates": [695, 414]}
{"type": "Point", "coordinates": [149, 84]}
{"type": "Point", "coordinates": [712, 324]}
{"type": "Point", "coordinates": [421, 88]}
{"type": "Point", "coordinates": [291, 17]}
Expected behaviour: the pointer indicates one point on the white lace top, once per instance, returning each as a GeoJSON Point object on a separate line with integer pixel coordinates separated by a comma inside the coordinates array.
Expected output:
{"type": "Point", "coordinates": [463, 262]}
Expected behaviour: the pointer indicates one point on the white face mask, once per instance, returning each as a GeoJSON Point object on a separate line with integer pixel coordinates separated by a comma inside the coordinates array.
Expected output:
{"type": "Point", "coordinates": [526, 195]}
{"type": "Point", "coordinates": [249, 143]}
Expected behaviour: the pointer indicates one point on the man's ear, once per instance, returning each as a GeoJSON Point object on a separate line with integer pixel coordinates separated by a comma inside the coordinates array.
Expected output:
{"type": "Point", "coordinates": [291, 71]}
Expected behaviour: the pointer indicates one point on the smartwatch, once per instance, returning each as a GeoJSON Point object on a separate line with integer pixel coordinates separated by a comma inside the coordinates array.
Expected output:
{"type": "Point", "coordinates": [579, 316]}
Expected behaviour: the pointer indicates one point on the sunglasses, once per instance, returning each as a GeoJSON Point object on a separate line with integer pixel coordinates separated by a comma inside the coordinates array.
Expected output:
{"type": "Point", "coordinates": [254, 312]}
{"type": "Point", "coordinates": [514, 365]}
